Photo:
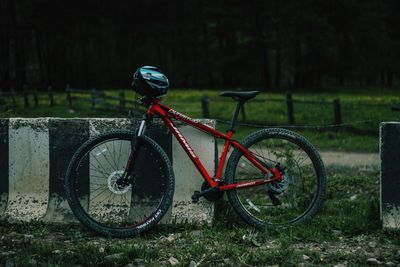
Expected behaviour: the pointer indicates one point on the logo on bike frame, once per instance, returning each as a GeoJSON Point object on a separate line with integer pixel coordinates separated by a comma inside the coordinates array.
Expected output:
{"type": "Point", "coordinates": [181, 137]}
{"type": "Point", "coordinates": [179, 114]}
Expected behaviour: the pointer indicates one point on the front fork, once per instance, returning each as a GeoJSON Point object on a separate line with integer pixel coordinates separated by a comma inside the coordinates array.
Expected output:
{"type": "Point", "coordinates": [127, 178]}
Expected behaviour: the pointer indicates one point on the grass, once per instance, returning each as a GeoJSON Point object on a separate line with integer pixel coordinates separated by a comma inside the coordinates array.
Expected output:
{"type": "Point", "coordinates": [356, 108]}
{"type": "Point", "coordinates": [347, 230]}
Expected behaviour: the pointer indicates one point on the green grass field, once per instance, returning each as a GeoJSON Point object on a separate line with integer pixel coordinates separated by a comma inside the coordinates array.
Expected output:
{"type": "Point", "coordinates": [361, 117]}
{"type": "Point", "coordinates": [346, 231]}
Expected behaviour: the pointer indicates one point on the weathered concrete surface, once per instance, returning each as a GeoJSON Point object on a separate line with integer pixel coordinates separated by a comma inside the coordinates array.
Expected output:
{"type": "Point", "coordinates": [129, 204]}
{"type": "Point", "coordinates": [96, 205]}
{"type": "Point", "coordinates": [39, 152]}
{"type": "Point", "coordinates": [3, 165]}
{"type": "Point", "coordinates": [188, 178]}
{"type": "Point", "coordinates": [99, 126]}
{"type": "Point", "coordinates": [390, 174]}
{"type": "Point", "coordinates": [65, 137]}
{"type": "Point", "coordinates": [28, 169]}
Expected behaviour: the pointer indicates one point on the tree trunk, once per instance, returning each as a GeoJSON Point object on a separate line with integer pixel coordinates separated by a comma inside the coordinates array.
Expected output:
{"type": "Point", "coordinates": [278, 62]}
{"type": "Point", "coordinates": [39, 57]}
{"type": "Point", "coordinates": [263, 53]}
{"type": "Point", "coordinates": [19, 46]}
{"type": "Point", "coordinates": [298, 66]}
{"type": "Point", "coordinates": [4, 44]}
{"type": "Point", "coordinates": [389, 78]}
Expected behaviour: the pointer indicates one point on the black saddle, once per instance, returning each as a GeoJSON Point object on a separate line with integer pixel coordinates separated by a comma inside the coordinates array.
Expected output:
{"type": "Point", "coordinates": [240, 96]}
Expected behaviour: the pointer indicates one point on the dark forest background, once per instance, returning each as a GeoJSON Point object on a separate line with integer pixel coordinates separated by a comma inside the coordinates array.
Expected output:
{"type": "Point", "coordinates": [309, 44]}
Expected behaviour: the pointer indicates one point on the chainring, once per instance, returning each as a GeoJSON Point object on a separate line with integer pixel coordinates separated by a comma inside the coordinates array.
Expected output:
{"type": "Point", "coordinates": [212, 196]}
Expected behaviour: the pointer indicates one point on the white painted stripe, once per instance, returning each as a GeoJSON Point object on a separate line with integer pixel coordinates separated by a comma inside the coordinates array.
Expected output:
{"type": "Point", "coordinates": [105, 206]}
{"type": "Point", "coordinates": [187, 177]}
{"type": "Point", "coordinates": [28, 168]}
{"type": "Point", "coordinates": [3, 165]}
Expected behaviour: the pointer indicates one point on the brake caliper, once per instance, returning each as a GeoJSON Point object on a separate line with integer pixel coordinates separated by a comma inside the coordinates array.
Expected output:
{"type": "Point", "coordinates": [281, 180]}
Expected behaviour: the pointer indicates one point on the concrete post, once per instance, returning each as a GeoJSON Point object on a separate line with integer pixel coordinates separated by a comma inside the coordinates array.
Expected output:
{"type": "Point", "coordinates": [390, 174]}
{"type": "Point", "coordinates": [3, 165]}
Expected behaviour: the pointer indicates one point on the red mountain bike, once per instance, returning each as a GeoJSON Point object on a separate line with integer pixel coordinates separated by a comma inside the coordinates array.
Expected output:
{"type": "Point", "coordinates": [274, 176]}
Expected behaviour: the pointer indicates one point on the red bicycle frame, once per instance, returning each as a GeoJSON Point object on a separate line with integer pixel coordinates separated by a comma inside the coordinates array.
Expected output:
{"type": "Point", "coordinates": [167, 114]}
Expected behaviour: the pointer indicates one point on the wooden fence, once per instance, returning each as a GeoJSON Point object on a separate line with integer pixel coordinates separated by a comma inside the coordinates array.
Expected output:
{"type": "Point", "coordinates": [8, 100]}
{"type": "Point", "coordinates": [99, 100]}
{"type": "Point", "coordinates": [290, 102]}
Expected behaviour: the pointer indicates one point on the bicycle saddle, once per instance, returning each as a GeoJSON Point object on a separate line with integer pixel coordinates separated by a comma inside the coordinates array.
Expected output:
{"type": "Point", "coordinates": [241, 96]}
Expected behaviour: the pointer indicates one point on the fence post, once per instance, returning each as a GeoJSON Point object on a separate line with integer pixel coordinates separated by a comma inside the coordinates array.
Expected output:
{"type": "Point", "coordinates": [204, 106]}
{"type": "Point", "coordinates": [93, 98]}
{"type": "Point", "coordinates": [289, 102]}
{"type": "Point", "coordinates": [35, 98]}
{"type": "Point", "coordinates": [13, 98]}
{"type": "Point", "coordinates": [26, 99]}
{"type": "Point", "coordinates": [69, 98]}
{"type": "Point", "coordinates": [2, 102]}
{"type": "Point", "coordinates": [121, 101]}
{"type": "Point", "coordinates": [337, 112]}
{"type": "Point", "coordinates": [51, 95]}
{"type": "Point", "coordinates": [243, 111]}
{"type": "Point", "coordinates": [389, 182]}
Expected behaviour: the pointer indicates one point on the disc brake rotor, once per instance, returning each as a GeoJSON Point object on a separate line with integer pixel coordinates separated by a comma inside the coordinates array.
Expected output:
{"type": "Point", "coordinates": [279, 186]}
{"type": "Point", "coordinates": [114, 187]}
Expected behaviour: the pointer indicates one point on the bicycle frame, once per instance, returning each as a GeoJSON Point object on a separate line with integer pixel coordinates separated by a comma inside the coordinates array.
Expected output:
{"type": "Point", "coordinates": [167, 114]}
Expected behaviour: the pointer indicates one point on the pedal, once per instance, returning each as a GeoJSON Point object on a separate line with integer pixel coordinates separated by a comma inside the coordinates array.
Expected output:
{"type": "Point", "coordinates": [196, 197]}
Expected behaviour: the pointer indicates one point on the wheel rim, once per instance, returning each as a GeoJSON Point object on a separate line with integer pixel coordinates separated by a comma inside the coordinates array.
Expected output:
{"type": "Point", "coordinates": [109, 204]}
{"type": "Point", "coordinates": [296, 191]}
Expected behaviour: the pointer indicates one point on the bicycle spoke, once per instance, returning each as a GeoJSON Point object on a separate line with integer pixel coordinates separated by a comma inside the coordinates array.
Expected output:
{"type": "Point", "coordinates": [111, 204]}
{"type": "Point", "coordinates": [293, 194]}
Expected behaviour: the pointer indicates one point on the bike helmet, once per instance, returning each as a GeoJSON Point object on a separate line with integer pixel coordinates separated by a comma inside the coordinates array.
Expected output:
{"type": "Point", "coordinates": [150, 81]}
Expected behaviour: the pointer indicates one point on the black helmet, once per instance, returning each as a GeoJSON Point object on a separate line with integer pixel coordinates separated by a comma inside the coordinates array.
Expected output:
{"type": "Point", "coordinates": [150, 81]}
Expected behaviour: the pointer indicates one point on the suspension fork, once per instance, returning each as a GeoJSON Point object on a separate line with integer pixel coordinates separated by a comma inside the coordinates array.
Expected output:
{"type": "Point", "coordinates": [135, 149]}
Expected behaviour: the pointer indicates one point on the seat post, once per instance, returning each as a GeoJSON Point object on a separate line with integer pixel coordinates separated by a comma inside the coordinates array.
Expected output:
{"type": "Point", "coordinates": [235, 116]}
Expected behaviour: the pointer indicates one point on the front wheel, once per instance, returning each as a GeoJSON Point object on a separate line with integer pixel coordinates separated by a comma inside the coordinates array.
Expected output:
{"type": "Point", "coordinates": [108, 206]}
{"type": "Point", "coordinates": [295, 198]}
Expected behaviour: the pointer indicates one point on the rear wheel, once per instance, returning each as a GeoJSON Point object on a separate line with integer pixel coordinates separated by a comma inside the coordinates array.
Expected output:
{"type": "Point", "coordinates": [104, 204]}
{"type": "Point", "coordinates": [295, 198]}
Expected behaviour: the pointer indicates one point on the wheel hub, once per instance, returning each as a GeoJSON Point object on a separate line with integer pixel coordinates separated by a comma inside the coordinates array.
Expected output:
{"type": "Point", "coordinates": [280, 186]}
{"type": "Point", "coordinates": [114, 184]}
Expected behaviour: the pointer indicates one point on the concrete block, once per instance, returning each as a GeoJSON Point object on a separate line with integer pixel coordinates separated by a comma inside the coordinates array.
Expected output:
{"type": "Point", "coordinates": [3, 165]}
{"type": "Point", "coordinates": [156, 132]}
{"type": "Point", "coordinates": [390, 174]}
{"type": "Point", "coordinates": [35, 154]}
{"type": "Point", "coordinates": [65, 137]}
{"type": "Point", "coordinates": [28, 169]}
{"type": "Point", "coordinates": [188, 178]}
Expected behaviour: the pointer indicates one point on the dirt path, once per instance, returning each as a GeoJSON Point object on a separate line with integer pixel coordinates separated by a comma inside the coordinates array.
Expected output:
{"type": "Point", "coordinates": [345, 159]}
{"type": "Point", "coordinates": [351, 159]}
